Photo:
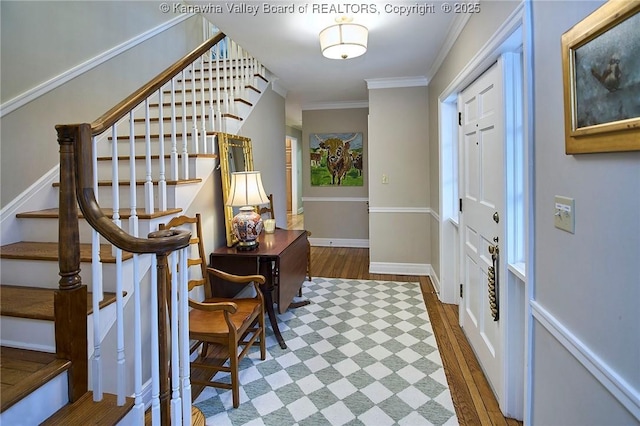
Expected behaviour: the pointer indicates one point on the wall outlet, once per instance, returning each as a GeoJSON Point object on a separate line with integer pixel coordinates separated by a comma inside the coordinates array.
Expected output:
{"type": "Point", "coordinates": [564, 214]}
{"type": "Point", "coordinates": [385, 178]}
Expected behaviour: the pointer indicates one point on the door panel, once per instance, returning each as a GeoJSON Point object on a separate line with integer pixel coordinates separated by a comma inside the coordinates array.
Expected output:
{"type": "Point", "coordinates": [483, 189]}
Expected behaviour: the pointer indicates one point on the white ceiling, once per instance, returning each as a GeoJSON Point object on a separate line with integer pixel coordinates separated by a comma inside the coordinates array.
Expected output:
{"type": "Point", "coordinates": [400, 46]}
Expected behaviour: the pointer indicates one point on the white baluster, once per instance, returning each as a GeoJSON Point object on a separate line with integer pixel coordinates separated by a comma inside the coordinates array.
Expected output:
{"type": "Point", "coordinates": [96, 275]}
{"type": "Point", "coordinates": [225, 83]}
{"type": "Point", "coordinates": [176, 404]}
{"type": "Point", "coordinates": [174, 139]}
{"type": "Point", "coordinates": [138, 406]}
{"type": "Point", "coordinates": [212, 115]}
{"type": "Point", "coordinates": [162, 182]}
{"type": "Point", "coordinates": [133, 230]}
{"type": "Point", "coordinates": [203, 107]}
{"type": "Point", "coordinates": [194, 112]}
{"type": "Point", "coordinates": [121, 371]}
{"type": "Point", "coordinates": [155, 345]}
{"type": "Point", "coordinates": [218, 93]}
{"type": "Point", "coordinates": [232, 94]}
{"type": "Point", "coordinates": [132, 169]}
{"type": "Point", "coordinates": [148, 183]}
{"type": "Point", "coordinates": [243, 80]}
{"type": "Point", "coordinates": [184, 338]}
{"type": "Point", "coordinates": [185, 149]}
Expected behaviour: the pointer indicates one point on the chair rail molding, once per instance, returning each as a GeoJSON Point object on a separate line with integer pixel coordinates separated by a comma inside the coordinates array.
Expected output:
{"type": "Point", "coordinates": [617, 386]}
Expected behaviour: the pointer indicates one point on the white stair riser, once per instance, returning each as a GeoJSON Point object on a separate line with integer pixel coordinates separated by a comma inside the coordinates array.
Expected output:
{"type": "Point", "coordinates": [44, 273]}
{"type": "Point", "coordinates": [124, 168]}
{"type": "Point", "coordinates": [40, 404]}
{"type": "Point", "coordinates": [24, 333]}
{"type": "Point", "coordinates": [104, 148]}
{"type": "Point", "coordinates": [46, 229]}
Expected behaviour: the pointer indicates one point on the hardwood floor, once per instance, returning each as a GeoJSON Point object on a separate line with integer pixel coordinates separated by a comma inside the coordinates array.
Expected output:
{"type": "Point", "coordinates": [472, 396]}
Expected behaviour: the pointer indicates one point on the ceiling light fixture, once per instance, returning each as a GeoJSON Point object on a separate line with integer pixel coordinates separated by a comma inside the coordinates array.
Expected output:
{"type": "Point", "coordinates": [344, 40]}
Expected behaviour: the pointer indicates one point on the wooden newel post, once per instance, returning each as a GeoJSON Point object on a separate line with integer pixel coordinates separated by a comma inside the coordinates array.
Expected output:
{"type": "Point", "coordinates": [70, 300]}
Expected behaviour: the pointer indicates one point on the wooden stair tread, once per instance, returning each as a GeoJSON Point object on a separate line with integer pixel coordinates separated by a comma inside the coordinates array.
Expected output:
{"type": "Point", "coordinates": [37, 303]}
{"type": "Point", "coordinates": [34, 250]}
{"type": "Point", "coordinates": [23, 371]}
{"type": "Point", "coordinates": [125, 214]}
{"type": "Point", "coordinates": [85, 411]}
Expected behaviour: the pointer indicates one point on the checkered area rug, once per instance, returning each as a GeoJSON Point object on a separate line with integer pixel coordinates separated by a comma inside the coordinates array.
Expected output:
{"type": "Point", "coordinates": [362, 353]}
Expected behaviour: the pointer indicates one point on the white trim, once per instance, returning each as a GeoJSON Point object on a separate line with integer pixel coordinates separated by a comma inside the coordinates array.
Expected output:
{"type": "Point", "coordinates": [400, 268]}
{"type": "Point", "coordinates": [33, 198]}
{"type": "Point", "coordinates": [426, 210]}
{"type": "Point", "coordinates": [335, 105]}
{"type": "Point", "coordinates": [435, 215]}
{"type": "Point", "coordinates": [619, 388]}
{"type": "Point", "coordinates": [335, 199]}
{"type": "Point", "coordinates": [57, 81]}
{"type": "Point", "coordinates": [391, 83]}
{"type": "Point", "coordinates": [435, 281]}
{"type": "Point", "coordinates": [339, 242]}
{"type": "Point", "coordinates": [455, 29]}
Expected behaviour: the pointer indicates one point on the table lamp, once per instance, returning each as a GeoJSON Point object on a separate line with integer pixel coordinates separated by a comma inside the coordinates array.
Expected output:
{"type": "Point", "coordinates": [246, 192]}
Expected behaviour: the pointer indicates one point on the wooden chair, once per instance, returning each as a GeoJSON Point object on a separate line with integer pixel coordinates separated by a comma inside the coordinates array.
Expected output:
{"type": "Point", "coordinates": [219, 323]}
{"type": "Point", "coordinates": [268, 210]}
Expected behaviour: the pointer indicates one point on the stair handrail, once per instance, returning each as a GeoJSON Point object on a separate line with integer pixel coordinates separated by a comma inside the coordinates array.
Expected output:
{"type": "Point", "coordinates": [110, 117]}
{"type": "Point", "coordinates": [77, 190]}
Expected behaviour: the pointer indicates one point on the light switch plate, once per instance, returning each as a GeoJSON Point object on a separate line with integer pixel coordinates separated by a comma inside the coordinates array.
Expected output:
{"type": "Point", "coordinates": [564, 213]}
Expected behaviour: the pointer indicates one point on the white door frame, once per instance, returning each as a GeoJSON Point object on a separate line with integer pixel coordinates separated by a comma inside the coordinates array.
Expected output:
{"type": "Point", "coordinates": [294, 174]}
{"type": "Point", "coordinates": [512, 36]}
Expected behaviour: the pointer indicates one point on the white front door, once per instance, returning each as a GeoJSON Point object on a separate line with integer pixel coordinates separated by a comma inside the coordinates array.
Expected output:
{"type": "Point", "coordinates": [482, 189]}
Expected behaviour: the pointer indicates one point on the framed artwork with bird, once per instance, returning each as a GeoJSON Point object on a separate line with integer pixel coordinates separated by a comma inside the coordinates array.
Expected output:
{"type": "Point", "coordinates": [601, 76]}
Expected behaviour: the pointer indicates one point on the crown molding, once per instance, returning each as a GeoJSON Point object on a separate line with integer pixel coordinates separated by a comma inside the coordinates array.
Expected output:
{"type": "Point", "coordinates": [335, 105]}
{"type": "Point", "coordinates": [390, 83]}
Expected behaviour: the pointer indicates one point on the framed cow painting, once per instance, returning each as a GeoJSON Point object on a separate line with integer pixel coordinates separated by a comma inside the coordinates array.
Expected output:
{"type": "Point", "coordinates": [336, 159]}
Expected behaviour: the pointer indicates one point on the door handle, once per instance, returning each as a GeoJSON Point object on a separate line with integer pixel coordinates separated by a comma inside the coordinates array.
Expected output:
{"type": "Point", "coordinates": [493, 281]}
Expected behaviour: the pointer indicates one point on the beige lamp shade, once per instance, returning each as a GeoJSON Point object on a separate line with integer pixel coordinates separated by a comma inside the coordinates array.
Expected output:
{"type": "Point", "coordinates": [246, 190]}
{"type": "Point", "coordinates": [344, 41]}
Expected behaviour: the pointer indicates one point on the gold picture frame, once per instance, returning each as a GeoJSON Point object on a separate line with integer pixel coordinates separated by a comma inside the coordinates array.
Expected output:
{"type": "Point", "coordinates": [235, 155]}
{"type": "Point", "coordinates": [601, 76]}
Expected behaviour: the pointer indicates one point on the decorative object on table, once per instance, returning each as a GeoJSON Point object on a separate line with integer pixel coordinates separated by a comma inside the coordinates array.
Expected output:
{"type": "Point", "coordinates": [336, 159]}
{"type": "Point", "coordinates": [344, 39]}
{"type": "Point", "coordinates": [246, 192]}
{"type": "Point", "coordinates": [601, 74]}
{"type": "Point", "coordinates": [269, 226]}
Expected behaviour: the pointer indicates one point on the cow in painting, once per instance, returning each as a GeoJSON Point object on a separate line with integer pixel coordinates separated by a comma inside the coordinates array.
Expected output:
{"type": "Point", "coordinates": [338, 157]}
{"type": "Point", "coordinates": [356, 159]}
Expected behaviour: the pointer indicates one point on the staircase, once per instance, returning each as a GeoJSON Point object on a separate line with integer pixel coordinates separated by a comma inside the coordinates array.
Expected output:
{"type": "Point", "coordinates": [174, 128]}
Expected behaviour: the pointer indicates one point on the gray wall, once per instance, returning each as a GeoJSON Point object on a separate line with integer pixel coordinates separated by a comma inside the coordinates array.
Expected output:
{"type": "Point", "coordinates": [335, 219]}
{"type": "Point", "coordinates": [40, 40]}
{"type": "Point", "coordinates": [588, 282]}
{"type": "Point", "coordinates": [265, 126]}
{"type": "Point", "coordinates": [399, 148]}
